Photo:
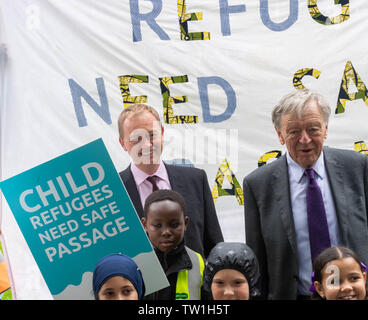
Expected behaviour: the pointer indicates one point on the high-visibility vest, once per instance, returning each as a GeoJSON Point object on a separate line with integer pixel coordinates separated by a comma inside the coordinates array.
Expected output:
{"type": "Point", "coordinates": [189, 282]}
{"type": "Point", "coordinates": [4, 277]}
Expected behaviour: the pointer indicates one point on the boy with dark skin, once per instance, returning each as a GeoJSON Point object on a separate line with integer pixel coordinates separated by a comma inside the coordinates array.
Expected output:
{"type": "Point", "coordinates": [165, 223]}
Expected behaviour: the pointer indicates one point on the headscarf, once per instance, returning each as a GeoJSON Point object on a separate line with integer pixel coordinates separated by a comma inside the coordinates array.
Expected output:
{"type": "Point", "coordinates": [237, 256]}
{"type": "Point", "coordinates": [117, 265]}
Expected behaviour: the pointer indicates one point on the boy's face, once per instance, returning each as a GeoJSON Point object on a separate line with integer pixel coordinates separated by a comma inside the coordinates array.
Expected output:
{"type": "Point", "coordinates": [165, 225]}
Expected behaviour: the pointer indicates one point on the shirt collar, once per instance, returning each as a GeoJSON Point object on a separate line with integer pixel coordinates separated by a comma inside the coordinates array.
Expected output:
{"type": "Point", "coordinates": [297, 171]}
{"type": "Point", "coordinates": [140, 176]}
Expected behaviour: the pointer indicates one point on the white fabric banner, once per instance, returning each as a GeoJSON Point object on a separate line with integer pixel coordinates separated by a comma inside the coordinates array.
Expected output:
{"type": "Point", "coordinates": [212, 69]}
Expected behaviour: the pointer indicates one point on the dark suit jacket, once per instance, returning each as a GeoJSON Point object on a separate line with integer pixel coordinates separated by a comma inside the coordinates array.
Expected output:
{"type": "Point", "coordinates": [269, 224]}
{"type": "Point", "coordinates": [203, 230]}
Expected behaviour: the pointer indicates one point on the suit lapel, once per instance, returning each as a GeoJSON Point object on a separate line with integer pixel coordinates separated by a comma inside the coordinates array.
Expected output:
{"type": "Point", "coordinates": [176, 181]}
{"type": "Point", "coordinates": [335, 173]}
{"type": "Point", "coordinates": [130, 186]}
{"type": "Point", "coordinates": [280, 184]}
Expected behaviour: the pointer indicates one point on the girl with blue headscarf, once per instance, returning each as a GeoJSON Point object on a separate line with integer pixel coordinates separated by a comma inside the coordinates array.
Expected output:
{"type": "Point", "coordinates": [117, 277]}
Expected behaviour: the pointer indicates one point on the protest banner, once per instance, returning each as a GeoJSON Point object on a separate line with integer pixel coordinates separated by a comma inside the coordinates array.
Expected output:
{"type": "Point", "coordinates": [73, 210]}
{"type": "Point", "coordinates": [213, 70]}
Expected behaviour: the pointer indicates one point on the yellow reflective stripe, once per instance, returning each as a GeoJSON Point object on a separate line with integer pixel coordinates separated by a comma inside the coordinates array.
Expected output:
{"type": "Point", "coordinates": [182, 291]}
{"type": "Point", "coordinates": [186, 289]}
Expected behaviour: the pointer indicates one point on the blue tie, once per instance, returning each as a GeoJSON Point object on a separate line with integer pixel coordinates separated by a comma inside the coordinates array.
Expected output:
{"type": "Point", "coordinates": [319, 237]}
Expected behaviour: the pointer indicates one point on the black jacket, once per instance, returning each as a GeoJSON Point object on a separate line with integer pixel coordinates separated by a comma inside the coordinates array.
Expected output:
{"type": "Point", "coordinates": [172, 262]}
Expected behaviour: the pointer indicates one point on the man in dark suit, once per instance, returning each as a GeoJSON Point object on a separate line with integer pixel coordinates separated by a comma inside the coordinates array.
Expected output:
{"type": "Point", "coordinates": [141, 135]}
{"type": "Point", "coordinates": [280, 199]}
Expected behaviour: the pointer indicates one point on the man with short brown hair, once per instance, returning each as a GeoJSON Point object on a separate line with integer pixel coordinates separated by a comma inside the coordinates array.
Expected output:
{"type": "Point", "coordinates": [142, 136]}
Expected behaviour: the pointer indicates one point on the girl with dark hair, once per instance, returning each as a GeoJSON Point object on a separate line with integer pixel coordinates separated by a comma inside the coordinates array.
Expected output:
{"type": "Point", "coordinates": [338, 274]}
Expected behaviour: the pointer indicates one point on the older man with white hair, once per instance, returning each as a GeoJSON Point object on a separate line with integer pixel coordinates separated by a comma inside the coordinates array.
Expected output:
{"type": "Point", "coordinates": [311, 198]}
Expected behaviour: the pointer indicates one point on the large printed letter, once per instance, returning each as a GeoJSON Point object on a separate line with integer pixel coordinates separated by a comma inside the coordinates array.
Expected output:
{"type": "Point", "coordinates": [148, 17]}
{"type": "Point", "coordinates": [265, 16]}
{"type": "Point", "coordinates": [219, 191]}
{"type": "Point", "coordinates": [203, 84]}
{"type": "Point", "coordinates": [125, 92]}
{"type": "Point", "coordinates": [270, 155]}
{"type": "Point", "coordinates": [78, 92]}
{"type": "Point", "coordinates": [344, 95]}
{"type": "Point", "coordinates": [298, 76]}
{"type": "Point", "coordinates": [24, 205]}
{"type": "Point", "coordinates": [225, 11]}
{"type": "Point", "coordinates": [320, 18]}
{"type": "Point", "coordinates": [184, 17]}
{"type": "Point", "coordinates": [87, 173]}
{"type": "Point", "coordinates": [361, 147]}
{"type": "Point", "coordinates": [168, 101]}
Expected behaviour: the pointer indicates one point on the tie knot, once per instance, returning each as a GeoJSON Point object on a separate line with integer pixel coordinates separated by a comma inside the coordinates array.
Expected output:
{"type": "Point", "coordinates": [310, 173]}
{"type": "Point", "coordinates": [152, 180]}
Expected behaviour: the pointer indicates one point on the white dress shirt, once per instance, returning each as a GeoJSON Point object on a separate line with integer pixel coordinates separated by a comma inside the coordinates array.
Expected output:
{"type": "Point", "coordinates": [298, 186]}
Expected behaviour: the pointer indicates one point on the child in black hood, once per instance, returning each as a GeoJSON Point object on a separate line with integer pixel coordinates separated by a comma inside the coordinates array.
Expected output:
{"type": "Point", "coordinates": [232, 272]}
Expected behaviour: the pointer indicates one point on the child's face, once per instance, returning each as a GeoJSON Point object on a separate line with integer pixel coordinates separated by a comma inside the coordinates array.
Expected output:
{"type": "Point", "coordinates": [342, 279]}
{"type": "Point", "coordinates": [229, 284]}
{"type": "Point", "coordinates": [117, 288]}
{"type": "Point", "coordinates": [165, 225]}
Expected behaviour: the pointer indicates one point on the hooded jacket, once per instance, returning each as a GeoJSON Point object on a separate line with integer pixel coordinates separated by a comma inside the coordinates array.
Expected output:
{"type": "Point", "coordinates": [237, 256]}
